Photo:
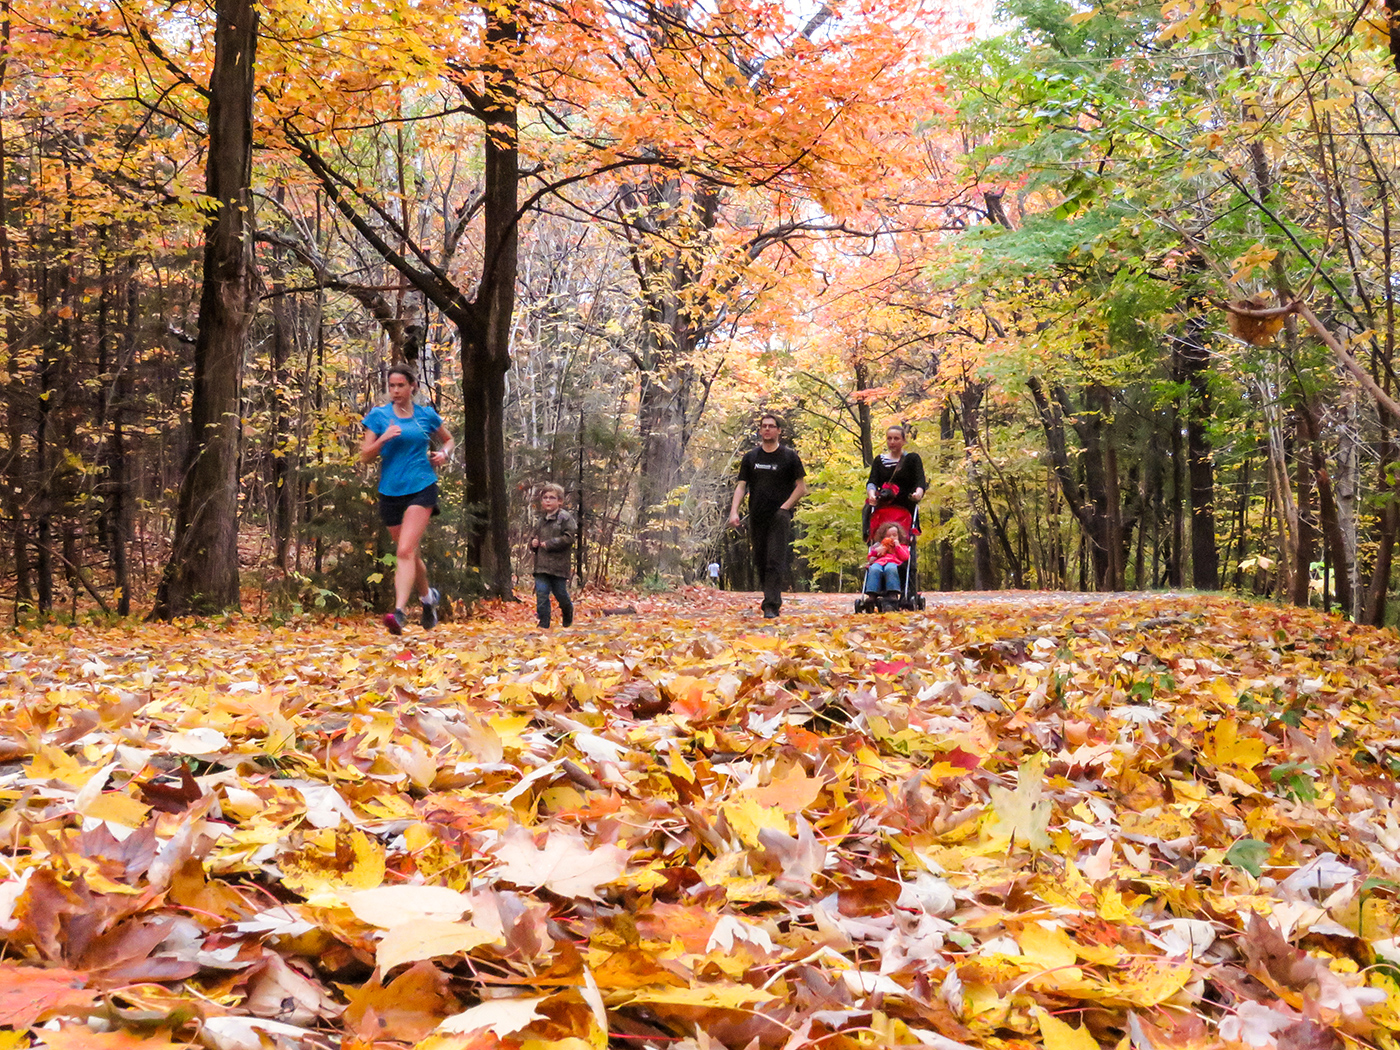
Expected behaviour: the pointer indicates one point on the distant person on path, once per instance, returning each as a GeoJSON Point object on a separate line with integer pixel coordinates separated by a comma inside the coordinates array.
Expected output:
{"type": "Point", "coordinates": [773, 478]}
{"type": "Point", "coordinates": [896, 477]}
{"type": "Point", "coordinates": [714, 573]}
{"type": "Point", "coordinates": [401, 434]}
{"type": "Point", "coordinates": [553, 538]}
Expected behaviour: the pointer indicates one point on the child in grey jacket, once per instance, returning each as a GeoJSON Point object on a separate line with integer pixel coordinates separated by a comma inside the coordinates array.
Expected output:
{"type": "Point", "coordinates": [552, 541]}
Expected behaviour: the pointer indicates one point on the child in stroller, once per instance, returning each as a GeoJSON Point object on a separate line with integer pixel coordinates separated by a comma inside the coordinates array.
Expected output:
{"type": "Point", "coordinates": [891, 578]}
{"type": "Point", "coordinates": [887, 554]}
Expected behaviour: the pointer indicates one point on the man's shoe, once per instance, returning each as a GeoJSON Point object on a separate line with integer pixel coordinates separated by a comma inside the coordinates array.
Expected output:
{"type": "Point", "coordinates": [770, 614]}
{"type": "Point", "coordinates": [394, 621]}
{"type": "Point", "coordinates": [430, 609]}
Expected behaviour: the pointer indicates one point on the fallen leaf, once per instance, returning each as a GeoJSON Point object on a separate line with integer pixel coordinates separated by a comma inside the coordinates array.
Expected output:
{"type": "Point", "coordinates": [564, 865]}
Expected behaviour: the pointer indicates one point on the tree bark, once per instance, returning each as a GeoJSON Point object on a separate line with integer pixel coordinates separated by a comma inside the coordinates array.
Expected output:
{"type": "Point", "coordinates": [1313, 454]}
{"type": "Point", "coordinates": [486, 354]}
{"type": "Point", "coordinates": [947, 560]}
{"type": "Point", "coordinates": [280, 506]}
{"type": "Point", "coordinates": [1305, 553]}
{"type": "Point", "coordinates": [867, 436]}
{"type": "Point", "coordinates": [983, 575]}
{"type": "Point", "coordinates": [1096, 504]}
{"type": "Point", "coordinates": [202, 574]}
{"type": "Point", "coordinates": [15, 409]}
{"type": "Point", "coordinates": [483, 322]}
{"type": "Point", "coordinates": [1193, 364]}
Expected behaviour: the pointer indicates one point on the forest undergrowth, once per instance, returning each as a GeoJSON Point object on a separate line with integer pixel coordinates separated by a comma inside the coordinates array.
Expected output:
{"type": "Point", "coordinates": [1157, 822]}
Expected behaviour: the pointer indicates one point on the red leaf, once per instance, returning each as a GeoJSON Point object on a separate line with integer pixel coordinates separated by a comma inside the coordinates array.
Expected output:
{"type": "Point", "coordinates": [962, 759]}
{"type": "Point", "coordinates": [29, 994]}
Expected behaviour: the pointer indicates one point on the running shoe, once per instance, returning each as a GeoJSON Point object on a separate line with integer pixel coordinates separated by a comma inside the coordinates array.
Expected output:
{"type": "Point", "coordinates": [430, 609]}
{"type": "Point", "coordinates": [394, 621]}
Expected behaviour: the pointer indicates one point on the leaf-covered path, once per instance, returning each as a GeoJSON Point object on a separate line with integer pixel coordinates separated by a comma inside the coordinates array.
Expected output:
{"type": "Point", "coordinates": [1157, 822]}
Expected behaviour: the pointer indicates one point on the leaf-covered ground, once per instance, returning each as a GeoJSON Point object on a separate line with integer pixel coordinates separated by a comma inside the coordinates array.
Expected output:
{"type": "Point", "coordinates": [1165, 823]}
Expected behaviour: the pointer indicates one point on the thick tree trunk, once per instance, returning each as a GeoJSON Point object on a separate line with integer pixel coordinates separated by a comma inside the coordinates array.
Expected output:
{"type": "Point", "coordinates": [1176, 573]}
{"type": "Point", "coordinates": [489, 349]}
{"type": "Point", "coordinates": [202, 574]}
{"type": "Point", "coordinates": [659, 211]}
{"type": "Point", "coordinates": [483, 441]}
{"type": "Point", "coordinates": [661, 425]}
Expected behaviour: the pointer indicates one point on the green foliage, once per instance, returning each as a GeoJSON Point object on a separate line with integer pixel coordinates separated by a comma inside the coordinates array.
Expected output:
{"type": "Point", "coordinates": [358, 561]}
{"type": "Point", "coordinates": [1248, 855]}
{"type": "Point", "coordinates": [831, 540]}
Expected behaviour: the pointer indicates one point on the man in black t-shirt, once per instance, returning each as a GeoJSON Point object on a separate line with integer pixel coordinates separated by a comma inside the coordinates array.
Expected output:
{"type": "Point", "coordinates": [774, 480]}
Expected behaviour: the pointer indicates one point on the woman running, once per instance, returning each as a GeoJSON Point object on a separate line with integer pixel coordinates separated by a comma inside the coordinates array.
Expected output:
{"type": "Point", "coordinates": [400, 434]}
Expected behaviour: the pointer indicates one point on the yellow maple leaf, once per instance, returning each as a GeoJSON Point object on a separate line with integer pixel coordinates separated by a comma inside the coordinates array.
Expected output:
{"type": "Point", "coordinates": [1059, 1035]}
{"type": "Point", "coordinates": [1225, 747]}
{"type": "Point", "coordinates": [333, 860]}
{"type": "Point", "coordinates": [718, 995]}
{"type": "Point", "coordinates": [1048, 947]}
{"type": "Point", "coordinates": [746, 817]}
{"type": "Point", "coordinates": [1021, 817]}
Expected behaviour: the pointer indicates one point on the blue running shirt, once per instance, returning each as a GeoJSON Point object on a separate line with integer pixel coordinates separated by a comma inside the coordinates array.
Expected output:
{"type": "Point", "coordinates": [404, 462]}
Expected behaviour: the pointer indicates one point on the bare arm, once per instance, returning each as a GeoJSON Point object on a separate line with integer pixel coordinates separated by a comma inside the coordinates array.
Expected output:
{"type": "Point", "coordinates": [739, 491]}
{"type": "Point", "coordinates": [798, 491]}
{"type": "Point", "coordinates": [446, 446]}
{"type": "Point", "coordinates": [372, 442]}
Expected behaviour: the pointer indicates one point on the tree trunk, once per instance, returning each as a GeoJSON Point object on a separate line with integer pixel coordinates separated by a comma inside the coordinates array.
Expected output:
{"type": "Point", "coordinates": [1097, 503]}
{"type": "Point", "coordinates": [1347, 492]}
{"type": "Point", "coordinates": [1205, 556]}
{"type": "Point", "coordinates": [947, 560]}
{"type": "Point", "coordinates": [122, 516]}
{"type": "Point", "coordinates": [1335, 543]}
{"type": "Point", "coordinates": [279, 475]}
{"type": "Point", "coordinates": [484, 374]}
{"type": "Point", "coordinates": [1177, 544]}
{"type": "Point", "coordinates": [15, 409]}
{"type": "Point", "coordinates": [483, 439]}
{"type": "Point", "coordinates": [1386, 490]}
{"type": "Point", "coordinates": [43, 451]}
{"type": "Point", "coordinates": [661, 426]}
{"type": "Point", "coordinates": [983, 575]}
{"type": "Point", "coordinates": [1305, 552]}
{"type": "Point", "coordinates": [202, 574]}
{"type": "Point", "coordinates": [659, 211]}
{"type": "Point", "coordinates": [867, 437]}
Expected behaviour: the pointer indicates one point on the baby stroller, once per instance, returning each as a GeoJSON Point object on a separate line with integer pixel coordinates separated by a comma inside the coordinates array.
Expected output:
{"type": "Point", "coordinates": [909, 598]}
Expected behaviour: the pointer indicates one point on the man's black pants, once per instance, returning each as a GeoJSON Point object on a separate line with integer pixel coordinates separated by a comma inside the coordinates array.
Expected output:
{"type": "Point", "coordinates": [772, 544]}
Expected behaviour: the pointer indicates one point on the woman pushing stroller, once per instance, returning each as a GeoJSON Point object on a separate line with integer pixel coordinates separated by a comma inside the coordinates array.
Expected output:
{"type": "Point", "coordinates": [892, 494]}
{"type": "Point", "coordinates": [896, 477]}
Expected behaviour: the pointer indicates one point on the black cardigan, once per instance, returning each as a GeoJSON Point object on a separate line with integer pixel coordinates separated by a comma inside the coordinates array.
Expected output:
{"type": "Point", "coordinates": [908, 475]}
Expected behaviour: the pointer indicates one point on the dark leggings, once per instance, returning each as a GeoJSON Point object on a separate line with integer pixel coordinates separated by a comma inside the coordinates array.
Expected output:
{"type": "Point", "coordinates": [547, 584]}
